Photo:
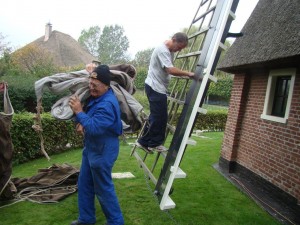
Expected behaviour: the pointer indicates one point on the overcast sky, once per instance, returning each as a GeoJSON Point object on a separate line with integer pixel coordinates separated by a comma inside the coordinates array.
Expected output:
{"type": "Point", "coordinates": [146, 23]}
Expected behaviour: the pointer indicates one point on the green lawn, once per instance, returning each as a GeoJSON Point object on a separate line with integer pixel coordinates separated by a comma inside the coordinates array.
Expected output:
{"type": "Point", "coordinates": [203, 197]}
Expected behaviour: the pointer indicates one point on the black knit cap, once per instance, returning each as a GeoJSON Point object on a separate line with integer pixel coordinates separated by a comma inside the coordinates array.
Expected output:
{"type": "Point", "coordinates": [102, 73]}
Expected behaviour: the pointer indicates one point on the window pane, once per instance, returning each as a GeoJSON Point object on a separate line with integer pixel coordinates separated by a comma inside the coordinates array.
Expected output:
{"type": "Point", "coordinates": [281, 95]}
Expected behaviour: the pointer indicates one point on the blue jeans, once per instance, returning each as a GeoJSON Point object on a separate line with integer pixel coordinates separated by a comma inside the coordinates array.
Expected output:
{"type": "Point", "coordinates": [154, 133]}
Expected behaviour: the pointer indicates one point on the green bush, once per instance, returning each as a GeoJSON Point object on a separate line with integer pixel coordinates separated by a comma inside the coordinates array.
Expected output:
{"type": "Point", "coordinates": [211, 121]}
{"type": "Point", "coordinates": [222, 88]}
{"type": "Point", "coordinates": [22, 94]}
{"type": "Point", "coordinates": [140, 78]}
{"type": "Point", "coordinates": [58, 136]}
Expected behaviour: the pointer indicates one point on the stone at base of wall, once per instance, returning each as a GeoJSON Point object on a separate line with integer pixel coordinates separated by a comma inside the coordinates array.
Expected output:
{"type": "Point", "coordinates": [276, 202]}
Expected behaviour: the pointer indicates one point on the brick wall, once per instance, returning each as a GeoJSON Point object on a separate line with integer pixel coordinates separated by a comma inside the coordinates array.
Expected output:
{"type": "Point", "coordinates": [269, 149]}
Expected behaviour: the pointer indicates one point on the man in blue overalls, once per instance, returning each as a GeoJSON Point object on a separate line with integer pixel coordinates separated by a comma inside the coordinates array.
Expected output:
{"type": "Point", "coordinates": [100, 123]}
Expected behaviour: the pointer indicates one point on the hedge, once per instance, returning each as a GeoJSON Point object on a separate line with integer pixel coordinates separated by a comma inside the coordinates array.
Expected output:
{"type": "Point", "coordinates": [58, 136]}
{"type": "Point", "coordinates": [211, 121]}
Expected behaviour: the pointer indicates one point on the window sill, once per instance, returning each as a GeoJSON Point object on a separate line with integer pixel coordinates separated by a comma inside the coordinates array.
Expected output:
{"type": "Point", "coordinates": [273, 118]}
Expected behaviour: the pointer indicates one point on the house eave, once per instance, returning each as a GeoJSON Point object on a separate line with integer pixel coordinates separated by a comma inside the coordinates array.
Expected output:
{"type": "Point", "coordinates": [292, 61]}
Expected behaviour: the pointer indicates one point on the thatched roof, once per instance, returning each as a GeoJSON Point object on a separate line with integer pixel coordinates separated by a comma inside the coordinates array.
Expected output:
{"type": "Point", "coordinates": [271, 36]}
{"type": "Point", "coordinates": [66, 50]}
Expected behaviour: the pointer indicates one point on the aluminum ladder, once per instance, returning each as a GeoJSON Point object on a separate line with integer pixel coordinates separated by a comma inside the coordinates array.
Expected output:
{"type": "Point", "coordinates": [207, 34]}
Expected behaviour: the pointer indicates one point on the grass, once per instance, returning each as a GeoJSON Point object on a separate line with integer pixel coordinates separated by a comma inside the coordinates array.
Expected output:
{"type": "Point", "coordinates": [203, 197]}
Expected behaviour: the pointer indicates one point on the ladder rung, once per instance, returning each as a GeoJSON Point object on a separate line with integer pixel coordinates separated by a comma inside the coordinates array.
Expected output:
{"type": "Point", "coordinates": [222, 46]}
{"type": "Point", "coordinates": [179, 172]}
{"type": "Point", "coordinates": [198, 33]}
{"type": "Point", "coordinates": [189, 54]}
{"type": "Point", "coordinates": [191, 142]}
{"type": "Point", "coordinates": [169, 204]}
{"type": "Point", "coordinates": [232, 15]}
{"type": "Point", "coordinates": [212, 78]}
{"type": "Point", "coordinates": [176, 100]}
{"type": "Point", "coordinates": [171, 128]}
{"type": "Point", "coordinates": [202, 111]}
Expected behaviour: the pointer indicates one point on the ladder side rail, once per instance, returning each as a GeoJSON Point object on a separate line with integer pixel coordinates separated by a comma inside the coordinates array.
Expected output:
{"type": "Point", "coordinates": [188, 107]}
{"type": "Point", "coordinates": [144, 166]}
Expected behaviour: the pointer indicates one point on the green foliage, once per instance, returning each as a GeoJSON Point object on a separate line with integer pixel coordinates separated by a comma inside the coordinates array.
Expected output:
{"type": "Point", "coordinates": [33, 60]}
{"type": "Point", "coordinates": [222, 88]}
{"type": "Point", "coordinates": [89, 39]}
{"type": "Point", "coordinates": [22, 94]}
{"type": "Point", "coordinates": [5, 64]}
{"type": "Point", "coordinates": [57, 134]}
{"type": "Point", "coordinates": [4, 46]}
{"type": "Point", "coordinates": [142, 58]}
{"type": "Point", "coordinates": [141, 74]}
{"type": "Point", "coordinates": [113, 45]}
{"type": "Point", "coordinates": [5, 59]}
{"type": "Point", "coordinates": [211, 121]}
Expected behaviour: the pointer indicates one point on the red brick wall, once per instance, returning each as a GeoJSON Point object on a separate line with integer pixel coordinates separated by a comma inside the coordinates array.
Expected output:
{"type": "Point", "coordinates": [269, 149]}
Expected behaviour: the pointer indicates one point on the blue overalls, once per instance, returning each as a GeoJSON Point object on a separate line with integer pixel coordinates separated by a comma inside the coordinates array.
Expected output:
{"type": "Point", "coordinates": [102, 126]}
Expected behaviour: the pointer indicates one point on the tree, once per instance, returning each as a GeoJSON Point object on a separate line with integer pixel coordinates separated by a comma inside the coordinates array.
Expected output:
{"type": "Point", "coordinates": [33, 60]}
{"type": "Point", "coordinates": [4, 46]}
{"type": "Point", "coordinates": [113, 45]}
{"type": "Point", "coordinates": [5, 51]}
{"type": "Point", "coordinates": [89, 39]}
{"type": "Point", "coordinates": [142, 58]}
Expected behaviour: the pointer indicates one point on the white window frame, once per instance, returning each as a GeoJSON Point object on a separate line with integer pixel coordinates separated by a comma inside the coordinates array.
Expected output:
{"type": "Point", "coordinates": [270, 94]}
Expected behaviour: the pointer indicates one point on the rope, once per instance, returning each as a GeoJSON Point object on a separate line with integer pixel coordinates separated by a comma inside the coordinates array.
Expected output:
{"type": "Point", "coordinates": [41, 191]}
{"type": "Point", "coordinates": [37, 191]}
{"type": "Point", "coordinates": [37, 126]}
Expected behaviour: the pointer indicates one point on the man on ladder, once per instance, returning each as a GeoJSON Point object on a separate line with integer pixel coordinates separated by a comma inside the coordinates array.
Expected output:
{"type": "Point", "coordinates": [156, 86]}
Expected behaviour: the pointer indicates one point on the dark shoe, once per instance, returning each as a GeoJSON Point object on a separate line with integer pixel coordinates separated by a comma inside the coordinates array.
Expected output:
{"type": "Point", "coordinates": [75, 222]}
